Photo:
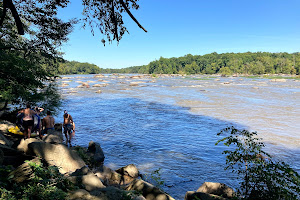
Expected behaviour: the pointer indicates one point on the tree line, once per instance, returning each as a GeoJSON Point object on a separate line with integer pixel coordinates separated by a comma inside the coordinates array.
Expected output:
{"type": "Point", "coordinates": [225, 63]}
{"type": "Point", "coordinates": [74, 67]}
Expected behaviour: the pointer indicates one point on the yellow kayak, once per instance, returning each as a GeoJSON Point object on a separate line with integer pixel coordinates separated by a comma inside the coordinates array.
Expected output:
{"type": "Point", "coordinates": [16, 131]}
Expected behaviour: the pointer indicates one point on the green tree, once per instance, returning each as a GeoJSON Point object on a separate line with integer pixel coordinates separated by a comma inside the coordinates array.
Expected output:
{"type": "Point", "coordinates": [261, 177]}
{"type": "Point", "coordinates": [225, 71]}
{"type": "Point", "coordinates": [29, 63]}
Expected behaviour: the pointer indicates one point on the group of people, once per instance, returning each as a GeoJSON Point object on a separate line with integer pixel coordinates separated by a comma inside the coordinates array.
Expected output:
{"type": "Point", "coordinates": [47, 123]}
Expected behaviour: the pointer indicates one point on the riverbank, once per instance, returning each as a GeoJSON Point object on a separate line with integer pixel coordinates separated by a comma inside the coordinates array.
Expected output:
{"type": "Point", "coordinates": [80, 167]}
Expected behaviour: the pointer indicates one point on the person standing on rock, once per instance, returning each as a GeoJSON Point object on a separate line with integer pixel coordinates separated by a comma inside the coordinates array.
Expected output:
{"type": "Point", "coordinates": [69, 127]}
{"type": "Point", "coordinates": [48, 123]}
{"type": "Point", "coordinates": [27, 120]}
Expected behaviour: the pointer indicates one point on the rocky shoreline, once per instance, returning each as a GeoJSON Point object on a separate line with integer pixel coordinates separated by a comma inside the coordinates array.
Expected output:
{"type": "Point", "coordinates": [84, 168]}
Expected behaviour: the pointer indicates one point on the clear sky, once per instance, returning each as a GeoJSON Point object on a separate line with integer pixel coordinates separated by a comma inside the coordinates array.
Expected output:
{"type": "Point", "coordinates": [198, 27]}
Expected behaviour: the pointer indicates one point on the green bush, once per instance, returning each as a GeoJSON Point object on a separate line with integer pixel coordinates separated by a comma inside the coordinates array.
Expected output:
{"type": "Point", "coordinates": [262, 178]}
{"type": "Point", "coordinates": [46, 184]}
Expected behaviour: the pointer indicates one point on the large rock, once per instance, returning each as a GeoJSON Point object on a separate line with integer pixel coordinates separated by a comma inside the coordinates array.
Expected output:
{"type": "Point", "coordinates": [89, 181]}
{"type": "Point", "coordinates": [96, 152]}
{"type": "Point", "coordinates": [23, 146]}
{"type": "Point", "coordinates": [23, 172]}
{"type": "Point", "coordinates": [53, 137]}
{"type": "Point", "coordinates": [58, 155]}
{"type": "Point", "coordinates": [1, 157]}
{"type": "Point", "coordinates": [219, 189]}
{"type": "Point", "coordinates": [58, 127]}
{"type": "Point", "coordinates": [149, 191]}
{"type": "Point", "coordinates": [191, 195]}
{"type": "Point", "coordinates": [6, 125]}
{"type": "Point", "coordinates": [129, 170]}
{"type": "Point", "coordinates": [113, 193]}
{"type": "Point", "coordinates": [82, 194]}
{"type": "Point", "coordinates": [111, 178]}
{"type": "Point", "coordinates": [5, 141]}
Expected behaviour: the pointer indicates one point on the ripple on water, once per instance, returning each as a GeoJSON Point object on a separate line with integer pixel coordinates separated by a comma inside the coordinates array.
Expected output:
{"type": "Point", "coordinates": [172, 125]}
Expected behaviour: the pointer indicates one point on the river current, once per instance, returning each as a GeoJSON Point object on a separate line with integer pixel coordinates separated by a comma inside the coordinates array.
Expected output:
{"type": "Point", "coordinates": [171, 123]}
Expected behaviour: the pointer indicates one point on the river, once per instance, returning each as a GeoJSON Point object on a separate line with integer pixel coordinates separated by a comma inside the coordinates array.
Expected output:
{"type": "Point", "coordinates": [171, 123]}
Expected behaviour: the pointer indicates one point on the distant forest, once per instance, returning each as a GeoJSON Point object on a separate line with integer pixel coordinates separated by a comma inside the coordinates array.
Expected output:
{"type": "Point", "coordinates": [225, 63]}
{"type": "Point", "coordinates": [74, 67]}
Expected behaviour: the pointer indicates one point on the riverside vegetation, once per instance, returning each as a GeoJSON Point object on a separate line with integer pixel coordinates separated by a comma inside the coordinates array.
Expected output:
{"type": "Point", "coordinates": [32, 169]}
{"type": "Point", "coordinates": [30, 64]}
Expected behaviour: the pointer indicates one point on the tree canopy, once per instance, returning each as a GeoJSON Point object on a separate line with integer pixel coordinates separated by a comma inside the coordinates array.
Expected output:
{"type": "Point", "coordinates": [31, 33]}
{"type": "Point", "coordinates": [225, 63]}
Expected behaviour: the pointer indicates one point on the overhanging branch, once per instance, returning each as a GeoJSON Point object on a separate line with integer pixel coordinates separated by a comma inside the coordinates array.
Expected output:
{"type": "Point", "coordinates": [8, 4]}
{"type": "Point", "coordinates": [132, 17]}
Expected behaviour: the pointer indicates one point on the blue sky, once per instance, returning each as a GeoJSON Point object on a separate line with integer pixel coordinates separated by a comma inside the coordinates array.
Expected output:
{"type": "Point", "coordinates": [198, 27]}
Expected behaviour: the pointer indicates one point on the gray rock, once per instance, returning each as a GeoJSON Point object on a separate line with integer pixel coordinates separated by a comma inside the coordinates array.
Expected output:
{"type": "Point", "coordinates": [5, 141]}
{"type": "Point", "coordinates": [23, 172]}
{"type": "Point", "coordinates": [219, 189]}
{"type": "Point", "coordinates": [23, 146]}
{"type": "Point", "coordinates": [96, 152]}
{"type": "Point", "coordinates": [58, 155]}
{"type": "Point", "coordinates": [91, 182]}
{"type": "Point", "coordinates": [1, 157]}
{"type": "Point", "coordinates": [191, 195]}
{"type": "Point", "coordinates": [82, 194]}
{"type": "Point", "coordinates": [53, 137]}
{"type": "Point", "coordinates": [129, 170]}
{"type": "Point", "coordinates": [149, 191]}
{"type": "Point", "coordinates": [6, 125]}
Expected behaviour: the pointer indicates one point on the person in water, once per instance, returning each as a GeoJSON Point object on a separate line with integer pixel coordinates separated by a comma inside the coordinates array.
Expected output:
{"type": "Point", "coordinates": [38, 127]}
{"type": "Point", "coordinates": [47, 123]}
{"type": "Point", "coordinates": [69, 127]}
{"type": "Point", "coordinates": [27, 120]}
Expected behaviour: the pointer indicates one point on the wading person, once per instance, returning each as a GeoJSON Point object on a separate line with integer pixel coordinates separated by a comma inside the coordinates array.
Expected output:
{"type": "Point", "coordinates": [38, 126]}
{"type": "Point", "coordinates": [69, 127]}
{"type": "Point", "coordinates": [48, 123]}
{"type": "Point", "coordinates": [27, 120]}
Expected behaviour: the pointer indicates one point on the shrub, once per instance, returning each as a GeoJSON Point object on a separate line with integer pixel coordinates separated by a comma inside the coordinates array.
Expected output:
{"type": "Point", "coordinates": [262, 178]}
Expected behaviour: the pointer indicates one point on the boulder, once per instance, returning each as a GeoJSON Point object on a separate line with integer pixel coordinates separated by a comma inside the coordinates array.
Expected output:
{"type": "Point", "coordinates": [98, 91]}
{"type": "Point", "coordinates": [191, 195]}
{"type": "Point", "coordinates": [53, 137]}
{"type": "Point", "coordinates": [23, 146]}
{"type": "Point", "coordinates": [278, 80]}
{"type": "Point", "coordinates": [82, 194]}
{"type": "Point", "coordinates": [58, 155]}
{"type": "Point", "coordinates": [149, 191]}
{"type": "Point", "coordinates": [99, 76]}
{"type": "Point", "coordinates": [1, 157]}
{"type": "Point", "coordinates": [104, 173]}
{"type": "Point", "coordinates": [23, 172]}
{"type": "Point", "coordinates": [219, 189]}
{"type": "Point", "coordinates": [5, 141]}
{"type": "Point", "coordinates": [113, 193]}
{"type": "Point", "coordinates": [100, 85]}
{"type": "Point", "coordinates": [58, 127]}
{"type": "Point", "coordinates": [89, 181]}
{"type": "Point", "coordinates": [129, 170]}
{"type": "Point", "coordinates": [133, 84]}
{"type": "Point", "coordinates": [111, 178]}
{"type": "Point", "coordinates": [5, 125]}
{"type": "Point", "coordinates": [96, 152]}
